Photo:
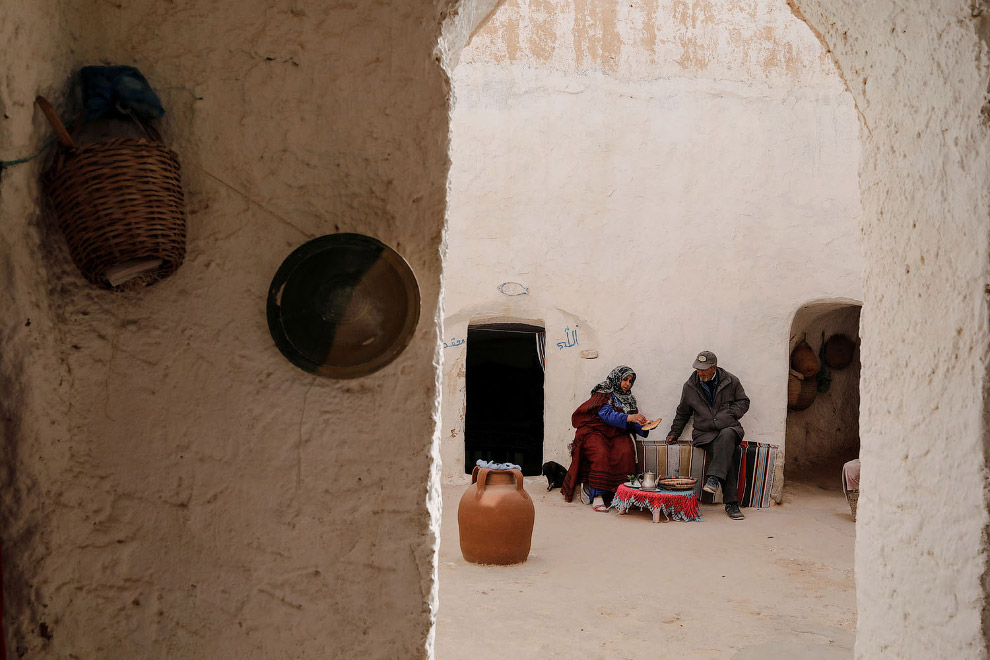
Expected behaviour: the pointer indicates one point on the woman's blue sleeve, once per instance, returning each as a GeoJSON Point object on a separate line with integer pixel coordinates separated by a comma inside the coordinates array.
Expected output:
{"type": "Point", "coordinates": [612, 417]}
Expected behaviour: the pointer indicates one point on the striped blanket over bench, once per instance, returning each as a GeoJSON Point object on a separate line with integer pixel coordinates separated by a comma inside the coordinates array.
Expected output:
{"type": "Point", "coordinates": [684, 460]}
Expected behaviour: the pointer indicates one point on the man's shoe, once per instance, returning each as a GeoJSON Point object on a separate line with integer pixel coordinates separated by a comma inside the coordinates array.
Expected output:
{"type": "Point", "coordinates": [585, 494]}
{"type": "Point", "coordinates": [732, 510]}
{"type": "Point", "coordinates": [711, 485]}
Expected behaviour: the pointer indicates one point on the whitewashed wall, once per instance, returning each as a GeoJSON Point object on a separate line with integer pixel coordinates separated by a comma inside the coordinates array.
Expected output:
{"type": "Point", "coordinates": [664, 179]}
{"type": "Point", "coordinates": [919, 74]}
{"type": "Point", "coordinates": [174, 487]}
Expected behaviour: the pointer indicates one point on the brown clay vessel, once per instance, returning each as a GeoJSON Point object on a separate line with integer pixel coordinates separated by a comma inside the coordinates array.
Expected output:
{"type": "Point", "coordinates": [495, 518]}
{"type": "Point", "coordinates": [804, 360]}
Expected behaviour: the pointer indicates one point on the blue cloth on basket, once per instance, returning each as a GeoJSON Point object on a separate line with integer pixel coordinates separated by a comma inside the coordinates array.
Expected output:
{"type": "Point", "coordinates": [110, 91]}
{"type": "Point", "coordinates": [497, 466]}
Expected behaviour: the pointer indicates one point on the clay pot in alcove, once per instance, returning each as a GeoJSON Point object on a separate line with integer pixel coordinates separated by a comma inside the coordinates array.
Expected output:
{"type": "Point", "coordinates": [839, 351]}
{"type": "Point", "coordinates": [496, 517]}
{"type": "Point", "coordinates": [801, 391]}
{"type": "Point", "coordinates": [804, 360]}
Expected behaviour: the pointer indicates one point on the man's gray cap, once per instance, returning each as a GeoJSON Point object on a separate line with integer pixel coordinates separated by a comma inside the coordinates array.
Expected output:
{"type": "Point", "coordinates": [705, 360]}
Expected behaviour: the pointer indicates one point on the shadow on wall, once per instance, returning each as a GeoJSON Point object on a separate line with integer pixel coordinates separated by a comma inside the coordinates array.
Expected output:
{"type": "Point", "coordinates": [822, 429]}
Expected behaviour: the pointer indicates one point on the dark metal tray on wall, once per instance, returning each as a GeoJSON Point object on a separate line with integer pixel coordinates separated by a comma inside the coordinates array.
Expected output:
{"type": "Point", "coordinates": [343, 305]}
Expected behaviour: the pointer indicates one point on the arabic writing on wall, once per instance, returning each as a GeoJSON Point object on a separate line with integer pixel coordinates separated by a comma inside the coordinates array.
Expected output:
{"type": "Point", "coordinates": [571, 339]}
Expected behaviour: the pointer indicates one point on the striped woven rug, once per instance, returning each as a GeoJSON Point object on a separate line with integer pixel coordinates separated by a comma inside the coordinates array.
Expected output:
{"type": "Point", "coordinates": [684, 460]}
{"type": "Point", "coordinates": [760, 461]}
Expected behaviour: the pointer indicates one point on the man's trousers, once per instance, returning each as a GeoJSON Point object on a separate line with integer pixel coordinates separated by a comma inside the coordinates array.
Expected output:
{"type": "Point", "coordinates": [723, 462]}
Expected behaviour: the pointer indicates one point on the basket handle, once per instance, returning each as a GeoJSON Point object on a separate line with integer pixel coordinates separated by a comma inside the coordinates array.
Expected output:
{"type": "Point", "coordinates": [52, 116]}
{"type": "Point", "coordinates": [148, 129]}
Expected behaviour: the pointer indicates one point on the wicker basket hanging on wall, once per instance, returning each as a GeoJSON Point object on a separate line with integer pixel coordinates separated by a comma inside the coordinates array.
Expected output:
{"type": "Point", "coordinates": [804, 361]}
{"type": "Point", "coordinates": [801, 391]}
{"type": "Point", "coordinates": [839, 350]}
{"type": "Point", "coordinates": [119, 204]}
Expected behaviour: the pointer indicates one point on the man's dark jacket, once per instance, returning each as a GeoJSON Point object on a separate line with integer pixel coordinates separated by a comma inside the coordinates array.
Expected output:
{"type": "Point", "coordinates": [731, 403]}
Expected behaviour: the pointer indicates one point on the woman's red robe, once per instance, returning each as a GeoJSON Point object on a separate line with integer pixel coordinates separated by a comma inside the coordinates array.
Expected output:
{"type": "Point", "coordinates": [602, 455]}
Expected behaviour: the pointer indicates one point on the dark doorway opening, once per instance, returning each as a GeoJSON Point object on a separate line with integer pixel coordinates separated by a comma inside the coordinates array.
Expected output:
{"type": "Point", "coordinates": [504, 396]}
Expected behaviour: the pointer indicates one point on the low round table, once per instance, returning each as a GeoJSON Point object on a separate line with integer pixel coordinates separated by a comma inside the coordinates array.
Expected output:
{"type": "Point", "coordinates": [674, 504]}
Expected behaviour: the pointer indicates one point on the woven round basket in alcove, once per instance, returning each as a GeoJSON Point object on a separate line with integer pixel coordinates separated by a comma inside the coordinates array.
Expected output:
{"type": "Point", "coordinates": [119, 204]}
{"type": "Point", "coordinates": [801, 392]}
{"type": "Point", "coordinates": [839, 350]}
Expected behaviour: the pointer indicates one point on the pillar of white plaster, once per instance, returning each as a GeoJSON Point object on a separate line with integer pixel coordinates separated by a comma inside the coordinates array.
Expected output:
{"type": "Point", "coordinates": [662, 178]}
{"type": "Point", "coordinates": [919, 74]}
{"type": "Point", "coordinates": [206, 498]}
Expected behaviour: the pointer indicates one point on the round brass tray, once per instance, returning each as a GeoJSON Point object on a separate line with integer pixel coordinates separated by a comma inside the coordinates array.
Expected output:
{"type": "Point", "coordinates": [343, 305]}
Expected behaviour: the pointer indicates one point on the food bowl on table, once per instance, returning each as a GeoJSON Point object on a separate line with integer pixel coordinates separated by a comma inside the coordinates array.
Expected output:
{"type": "Point", "coordinates": [677, 483]}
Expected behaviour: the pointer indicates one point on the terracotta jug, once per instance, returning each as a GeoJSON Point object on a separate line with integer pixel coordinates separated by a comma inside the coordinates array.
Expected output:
{"type": "Point", "coordinates": [804, 360]}
{"type": "Point", "coordinates": [496, 518]}
{"type": "Point", "coordinates": [839, 350]}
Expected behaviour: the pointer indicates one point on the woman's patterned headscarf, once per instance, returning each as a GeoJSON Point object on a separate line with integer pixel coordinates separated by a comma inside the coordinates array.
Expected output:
{"type": "Point", "coordinates": [613, 384]}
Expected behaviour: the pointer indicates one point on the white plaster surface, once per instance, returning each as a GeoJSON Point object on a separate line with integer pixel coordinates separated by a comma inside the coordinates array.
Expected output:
{"type": "Point", "coordinates": [173, 486]}
{"type": "Point", "coordinates": [658, 203]}
{"type": "Point", "coordinates": [919, 72]}
{"type": "Point", "coordinates": [464, 18]}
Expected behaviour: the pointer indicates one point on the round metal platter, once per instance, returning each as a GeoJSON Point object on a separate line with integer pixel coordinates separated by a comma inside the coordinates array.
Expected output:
{"type": "Point", "coordinates": [343, 305]}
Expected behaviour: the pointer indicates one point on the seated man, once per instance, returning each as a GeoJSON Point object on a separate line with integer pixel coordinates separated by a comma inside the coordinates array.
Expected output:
{"type": "Point", "coordinates": [717, 400]}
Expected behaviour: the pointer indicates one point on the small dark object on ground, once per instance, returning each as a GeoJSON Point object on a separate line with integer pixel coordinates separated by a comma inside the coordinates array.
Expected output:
{"type": "Point", "coordinates": [555, 473]}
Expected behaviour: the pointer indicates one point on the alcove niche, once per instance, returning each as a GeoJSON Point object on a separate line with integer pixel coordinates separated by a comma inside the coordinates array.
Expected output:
{"type": "Point", "coordinates": [825, 434]}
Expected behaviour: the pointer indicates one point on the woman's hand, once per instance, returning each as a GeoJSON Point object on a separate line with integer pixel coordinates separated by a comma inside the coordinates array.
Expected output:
{"type": "Point", "coordinates": [638, 418]}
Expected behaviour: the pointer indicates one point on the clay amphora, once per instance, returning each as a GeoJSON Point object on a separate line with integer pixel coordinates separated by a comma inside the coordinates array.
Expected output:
{"type": "Point", "coordinates": [839, 350]}
{"type": "Point", "coordinates": [496, 518]}
{"type": "Point", "coordinates": [804, 360]}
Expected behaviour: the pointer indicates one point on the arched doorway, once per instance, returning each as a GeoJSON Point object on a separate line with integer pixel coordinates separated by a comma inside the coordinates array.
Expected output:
{"type": "Point", "coordinates": [920, 97]}
{"type": "Point", "coordinates": [503, 419]}
{"type": "Point", "coordinates": [626, 194]}
{"type": "Point", "coordinates": [822, 429]}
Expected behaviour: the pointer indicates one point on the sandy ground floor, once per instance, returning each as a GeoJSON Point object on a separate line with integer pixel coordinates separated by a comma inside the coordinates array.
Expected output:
{"type": "Point", "coordinates": [778, 585]}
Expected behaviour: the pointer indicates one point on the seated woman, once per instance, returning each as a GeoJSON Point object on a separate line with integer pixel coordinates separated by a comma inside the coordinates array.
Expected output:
{"type": "Point", "coordinates": [602, 454]}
